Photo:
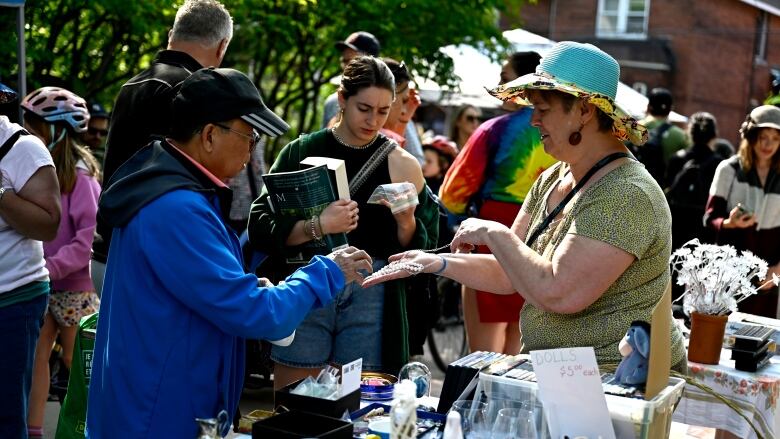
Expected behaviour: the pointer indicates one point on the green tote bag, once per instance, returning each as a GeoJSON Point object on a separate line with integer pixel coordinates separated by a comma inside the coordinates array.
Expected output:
{"type": "Point", "coordinates": [73, 414]}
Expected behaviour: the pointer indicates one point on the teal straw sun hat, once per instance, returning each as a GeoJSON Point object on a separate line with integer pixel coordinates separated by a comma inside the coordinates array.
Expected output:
{"type": "Point", "coordinates": [582, 70]}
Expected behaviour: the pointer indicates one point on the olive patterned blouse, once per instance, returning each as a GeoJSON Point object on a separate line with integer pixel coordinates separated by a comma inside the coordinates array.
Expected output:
{"type": "Point", "coordinates": [626, 209]}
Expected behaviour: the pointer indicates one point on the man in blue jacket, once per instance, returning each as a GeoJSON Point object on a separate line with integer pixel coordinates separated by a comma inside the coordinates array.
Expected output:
{"type": "Point", "coordinates": [176, 304]}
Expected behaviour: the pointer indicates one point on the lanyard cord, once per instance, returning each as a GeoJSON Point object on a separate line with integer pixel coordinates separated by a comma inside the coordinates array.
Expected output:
{"type": "Point", "coordinates": [546, 223]}
{"type": "Point", "coordinates": [600, 164]}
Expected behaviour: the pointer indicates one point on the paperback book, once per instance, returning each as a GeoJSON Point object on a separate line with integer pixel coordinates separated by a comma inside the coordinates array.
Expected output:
{"type": "Point", "coordinates": [301, 195]}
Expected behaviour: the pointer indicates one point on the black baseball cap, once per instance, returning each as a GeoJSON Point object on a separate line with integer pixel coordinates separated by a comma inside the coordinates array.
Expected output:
{"type": "Point", "coordinates": [6, 94]}
{"type": "Point", "coordinates": [361, 42]}
{"type": "Point", "coordinates": [96, 110]}
{"type": "Point", "coordinates": [215, 95]}
{"type": "Point", "coordinates": [660, 100]}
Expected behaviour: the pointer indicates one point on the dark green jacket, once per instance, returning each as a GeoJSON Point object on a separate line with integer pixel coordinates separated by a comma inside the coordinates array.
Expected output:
{"type": "Point", "coordinates": [269, 233]}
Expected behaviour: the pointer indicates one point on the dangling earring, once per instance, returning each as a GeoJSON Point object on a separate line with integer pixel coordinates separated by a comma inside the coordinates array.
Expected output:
{"type": "Point", "coordinates": [576, 137]}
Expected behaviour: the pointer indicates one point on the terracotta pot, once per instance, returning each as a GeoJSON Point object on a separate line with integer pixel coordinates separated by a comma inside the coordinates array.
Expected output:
{"type": "Point", "coordinates": [706, 338]}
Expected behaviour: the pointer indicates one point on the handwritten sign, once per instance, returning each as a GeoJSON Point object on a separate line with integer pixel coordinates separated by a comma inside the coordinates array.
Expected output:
{"type": "Point", "coordinates": [350, 376]}
{"type": "Point", "coordinates": [570, 389]}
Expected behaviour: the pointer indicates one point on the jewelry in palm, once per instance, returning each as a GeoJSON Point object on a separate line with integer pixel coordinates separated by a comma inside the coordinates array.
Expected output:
{"type": "Point", "coordinates": [413, 268]}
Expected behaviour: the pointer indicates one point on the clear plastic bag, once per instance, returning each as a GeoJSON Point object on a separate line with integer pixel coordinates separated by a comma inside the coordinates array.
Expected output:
{"type": "Point", "coordinates": [326, 386]}
{"type": "Point", "coordinates": [400, 196]}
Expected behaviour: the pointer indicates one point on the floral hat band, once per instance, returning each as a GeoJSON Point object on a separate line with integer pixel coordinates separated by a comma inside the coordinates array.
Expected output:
{"type": "Point", "coordinates": [584, 71]}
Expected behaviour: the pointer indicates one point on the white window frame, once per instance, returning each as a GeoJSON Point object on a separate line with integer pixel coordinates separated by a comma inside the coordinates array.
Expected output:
{"type": "Point", "coordinates": [622, 22]}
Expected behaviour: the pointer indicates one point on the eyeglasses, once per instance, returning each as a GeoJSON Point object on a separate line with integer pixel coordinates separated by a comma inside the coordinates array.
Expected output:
{"type": "Point", "coordinates": [472, 118]}
{"type": "Point", "coordinates": [253, 139]}
{"type": "Point", "coordinates": [97, 131]}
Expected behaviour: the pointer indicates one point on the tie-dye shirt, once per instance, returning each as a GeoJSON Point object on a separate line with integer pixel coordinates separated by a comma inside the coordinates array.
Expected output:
{"type": "Point", "coordinates": [500, 162]}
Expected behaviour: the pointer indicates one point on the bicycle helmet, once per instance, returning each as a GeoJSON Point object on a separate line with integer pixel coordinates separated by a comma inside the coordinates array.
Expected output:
{"type": "Point", "coordinates": [443, 145]}
{"type": "Point", "coordinates": [55, 104]}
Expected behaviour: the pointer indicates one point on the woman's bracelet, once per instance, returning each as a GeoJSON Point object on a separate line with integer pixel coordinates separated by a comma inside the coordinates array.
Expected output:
{"type": "Point", "coordinates": [314, 229]}
{"type": "Point", "coordinates": [443, 265]}
{"type": "Point", "coordinates": [319, 224]}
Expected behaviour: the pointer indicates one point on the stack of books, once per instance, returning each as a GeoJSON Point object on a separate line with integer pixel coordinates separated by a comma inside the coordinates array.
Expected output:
{"type": "Point", "coordinates": [462, 375]}
{"type": "Point", "coordinates": [751, 347]}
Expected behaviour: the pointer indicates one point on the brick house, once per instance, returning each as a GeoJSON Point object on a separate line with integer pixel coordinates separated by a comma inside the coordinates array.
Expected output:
{"type": "Point", "coordinates": [714, 55]}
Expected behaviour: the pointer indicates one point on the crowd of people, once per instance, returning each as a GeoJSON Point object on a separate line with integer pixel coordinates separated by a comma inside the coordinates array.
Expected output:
{"type": "Point", "coordinates": [559, 215]}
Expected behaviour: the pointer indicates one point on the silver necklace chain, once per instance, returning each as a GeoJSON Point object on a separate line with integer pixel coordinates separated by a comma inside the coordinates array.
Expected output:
{"type": "Point", "coordinates": [437, 249]}
{"type": "Point", "coordinates": [341, 141]}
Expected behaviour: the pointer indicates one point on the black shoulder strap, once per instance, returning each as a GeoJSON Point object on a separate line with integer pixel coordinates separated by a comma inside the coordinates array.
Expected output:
{"type": "Point", "coordinates": [11, 142]}
{"type": "Point", "coordinates": [379, 155]}
{"type": "Point", "coordinates": [661, 130]}
{"type": "Point", "coordinates": [549, 219]}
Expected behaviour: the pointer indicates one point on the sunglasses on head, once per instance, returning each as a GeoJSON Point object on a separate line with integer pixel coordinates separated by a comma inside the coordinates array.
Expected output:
{"type": "Point", "coordinates": [97, 131]}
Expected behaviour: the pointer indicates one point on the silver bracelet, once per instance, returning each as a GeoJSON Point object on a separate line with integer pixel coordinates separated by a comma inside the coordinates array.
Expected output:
{"type": "Point", "coordinates": [314, 230]}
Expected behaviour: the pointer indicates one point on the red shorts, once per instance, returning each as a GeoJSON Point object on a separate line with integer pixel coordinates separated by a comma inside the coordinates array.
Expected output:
{"type": "Point", "coordinates": [494, 308]}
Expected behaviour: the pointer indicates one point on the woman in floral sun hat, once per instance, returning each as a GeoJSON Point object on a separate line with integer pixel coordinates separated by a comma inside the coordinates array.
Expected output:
{"type": "Point", "coordinates": [589, 250]}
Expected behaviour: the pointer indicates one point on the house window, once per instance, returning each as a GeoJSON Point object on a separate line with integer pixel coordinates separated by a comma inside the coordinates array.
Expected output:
{"type": "Point", "coordinates": [622, 18]}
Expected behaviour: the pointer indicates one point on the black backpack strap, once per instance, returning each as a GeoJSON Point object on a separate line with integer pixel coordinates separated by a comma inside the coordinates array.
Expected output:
{"type": "Point", "coordinates": [11, 142]}
{"type": "Point", "coordinates": [660, 130]}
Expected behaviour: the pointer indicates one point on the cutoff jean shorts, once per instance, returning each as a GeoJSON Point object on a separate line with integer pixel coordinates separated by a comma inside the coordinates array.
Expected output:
{"type": "Point", "coordinates": [348, 328]}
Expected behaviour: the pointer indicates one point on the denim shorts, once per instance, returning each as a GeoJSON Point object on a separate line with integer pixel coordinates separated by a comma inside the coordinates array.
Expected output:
{"type": "Point", "coordinates": [20, 325]}
{"type": "Point", "coordinates": [348, 328]}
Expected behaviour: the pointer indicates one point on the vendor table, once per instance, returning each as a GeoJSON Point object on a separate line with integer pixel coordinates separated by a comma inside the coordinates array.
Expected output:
{"type": "Point", "coordinates": [755, 393]}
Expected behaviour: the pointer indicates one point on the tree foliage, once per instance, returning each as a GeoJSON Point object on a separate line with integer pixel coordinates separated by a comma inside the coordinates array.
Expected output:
{"type": "Point", "coordinates": [90, 47]}
{"type": "Point", "coordinates": [286, 46]}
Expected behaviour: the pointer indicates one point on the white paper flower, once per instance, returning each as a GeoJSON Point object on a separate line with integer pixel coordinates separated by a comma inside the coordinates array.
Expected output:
{"type": "Point", "coordinates": [717, 277]}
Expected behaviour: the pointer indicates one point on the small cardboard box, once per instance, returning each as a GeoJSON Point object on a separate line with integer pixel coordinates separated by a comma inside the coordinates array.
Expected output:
{"type": "Point", "coordinates": [296, 424]}
{"type": "Point", "coordinates": [327, 407]}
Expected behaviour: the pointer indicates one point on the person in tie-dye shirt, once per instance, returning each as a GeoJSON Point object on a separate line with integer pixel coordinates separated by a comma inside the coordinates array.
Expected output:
{"type": "Point", "coordinates": [495, 170]}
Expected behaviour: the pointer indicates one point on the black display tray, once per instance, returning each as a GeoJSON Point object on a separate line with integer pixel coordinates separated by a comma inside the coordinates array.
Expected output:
{"type": "Point", "coordinates": [327, 407]}
{"type": "Point", "coordinates": [297, 424]}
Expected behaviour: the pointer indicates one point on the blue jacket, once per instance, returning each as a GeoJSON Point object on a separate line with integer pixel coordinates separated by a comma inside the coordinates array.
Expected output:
{"type": "Point", "coordinates": [176, 304]}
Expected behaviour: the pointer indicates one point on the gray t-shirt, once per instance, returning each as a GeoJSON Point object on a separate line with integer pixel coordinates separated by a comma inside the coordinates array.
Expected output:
{"type": "Point", "coordinates": [331, 109]}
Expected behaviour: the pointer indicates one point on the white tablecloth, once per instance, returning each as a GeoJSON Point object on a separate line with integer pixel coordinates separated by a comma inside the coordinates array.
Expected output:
{"type": "Point", "coordinates": [755, 394]}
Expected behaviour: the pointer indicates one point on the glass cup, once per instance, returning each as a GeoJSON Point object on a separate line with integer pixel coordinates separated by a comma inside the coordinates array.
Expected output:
{"type": "Point", "coordinates": [496, 404]}
{"type": "Point", "coordinates": [472, 418]}
{"type": "Point", "coordinates": [514, 423]}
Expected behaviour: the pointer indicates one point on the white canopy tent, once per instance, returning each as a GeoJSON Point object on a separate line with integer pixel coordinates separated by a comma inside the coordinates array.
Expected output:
{"type": "Point", "coordinates": [477, 72]}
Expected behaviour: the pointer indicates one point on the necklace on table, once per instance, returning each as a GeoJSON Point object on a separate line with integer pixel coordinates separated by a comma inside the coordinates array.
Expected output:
{"type": "Point", "coordinates": [341, 141]}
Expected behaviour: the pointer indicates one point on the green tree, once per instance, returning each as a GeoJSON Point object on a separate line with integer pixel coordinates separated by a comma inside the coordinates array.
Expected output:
{"type": "Point", "coordinates": [286, 46]}
{"type": "Point", "coordinates": [90, 47]}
